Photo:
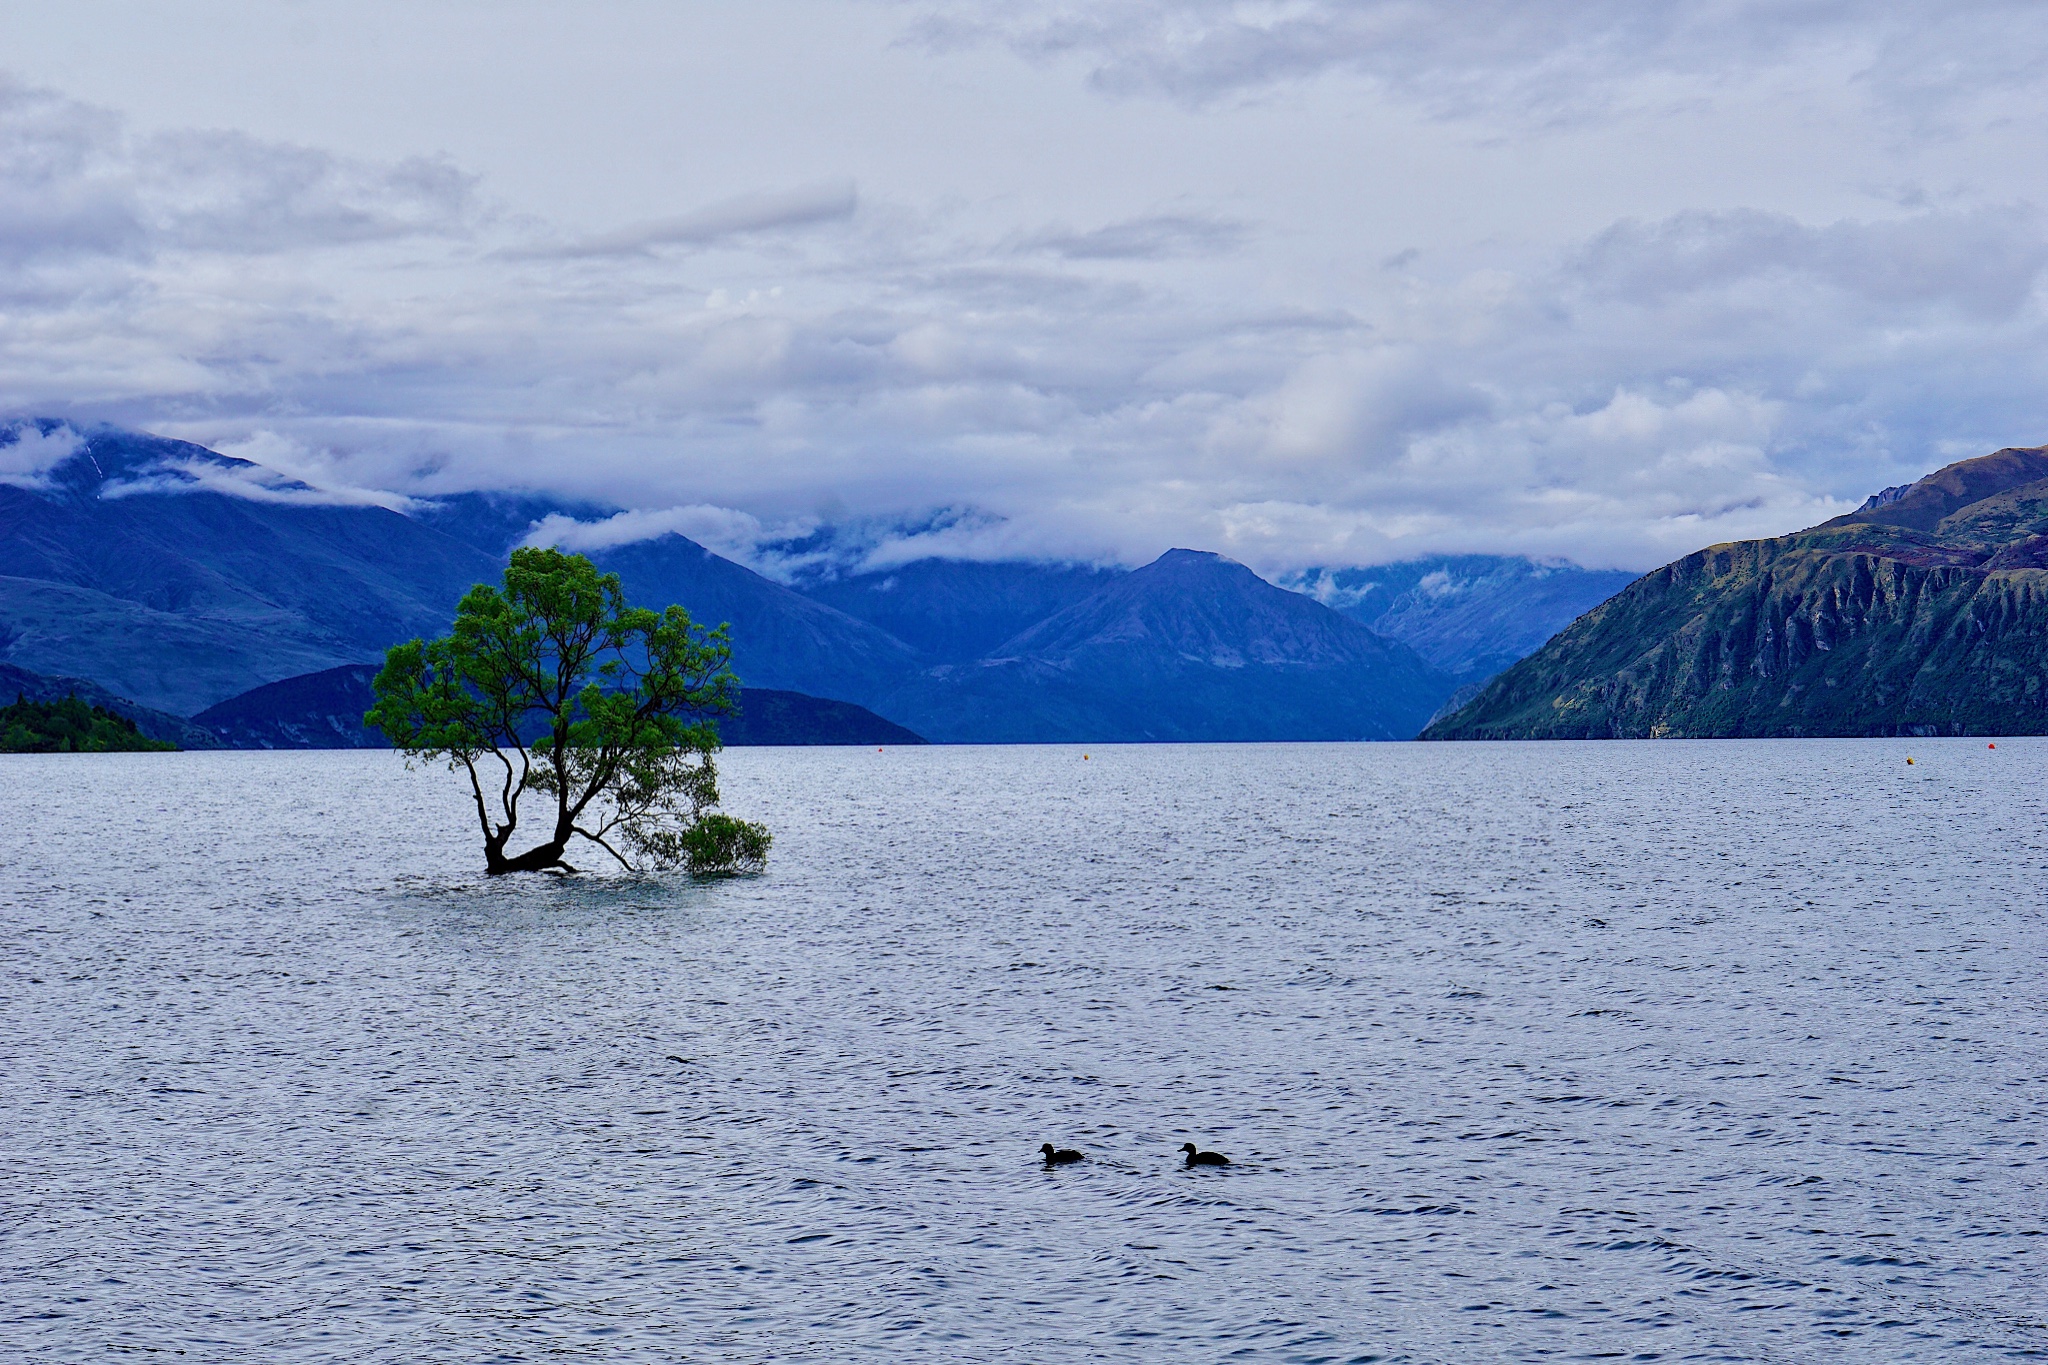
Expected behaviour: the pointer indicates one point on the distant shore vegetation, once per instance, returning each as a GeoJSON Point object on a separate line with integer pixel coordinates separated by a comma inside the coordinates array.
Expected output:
{"type": "Point", "coordinates": [71, 726]}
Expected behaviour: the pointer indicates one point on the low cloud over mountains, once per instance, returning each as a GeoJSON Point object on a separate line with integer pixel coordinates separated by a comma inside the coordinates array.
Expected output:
{"type": "Point", "coordinates": [153, 569]}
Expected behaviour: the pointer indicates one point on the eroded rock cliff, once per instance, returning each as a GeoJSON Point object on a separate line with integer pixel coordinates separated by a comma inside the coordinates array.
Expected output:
{"type": "Point", "coordinates": [1924, 612]}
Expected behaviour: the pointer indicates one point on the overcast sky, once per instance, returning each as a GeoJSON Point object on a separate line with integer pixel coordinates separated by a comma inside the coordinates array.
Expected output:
{"type": "Point", "coordinates": [1306, 282]}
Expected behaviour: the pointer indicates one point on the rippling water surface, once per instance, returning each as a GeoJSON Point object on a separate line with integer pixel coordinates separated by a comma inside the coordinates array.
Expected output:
{"type": "Point", "coordinates": [1680, 1051]}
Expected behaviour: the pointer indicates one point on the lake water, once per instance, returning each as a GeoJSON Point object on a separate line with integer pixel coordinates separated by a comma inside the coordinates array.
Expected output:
{"type": "Point", "coordinates": [1679, 1051]}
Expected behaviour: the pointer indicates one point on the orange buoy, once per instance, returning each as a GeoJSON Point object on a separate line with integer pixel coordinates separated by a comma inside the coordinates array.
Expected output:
{"type": "Point", "coordinates": [1991, 746]}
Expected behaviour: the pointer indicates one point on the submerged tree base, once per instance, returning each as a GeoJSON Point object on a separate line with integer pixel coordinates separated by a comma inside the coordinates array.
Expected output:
{"type": "Point", "coordinates": [712, 846]}
{"type": "Point", "coordinates": [546, 858]}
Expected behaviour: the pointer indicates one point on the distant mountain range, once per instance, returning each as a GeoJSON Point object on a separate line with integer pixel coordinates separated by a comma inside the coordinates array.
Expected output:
{"type": "Point", "coordinates": [954, 612]}
{"type": "Point", "coordinates": [781, 638]}
{"type": "Point", "coordinates": [181, 578]}
{"type": "Point", "coordinates": [1469, 615]}
{"type": "Point", "coordinates": [1191, 647]}
{"type": "Point", "coordinates": [325, 711]}
{"type": "Point", "coordinates": [178, 577]}
{"type": "Point", "coordinates": [1924, 612]}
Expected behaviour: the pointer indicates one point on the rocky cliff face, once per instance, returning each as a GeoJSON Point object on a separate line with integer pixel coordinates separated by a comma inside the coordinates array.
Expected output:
{"type": "Point", "coordinates": [1922, 612]}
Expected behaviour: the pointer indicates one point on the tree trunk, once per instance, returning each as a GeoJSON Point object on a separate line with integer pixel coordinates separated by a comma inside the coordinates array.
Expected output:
{"type": "Point", "coordinates": [537, 859]}
{"type": "Point", "coordinates": [496, 864]}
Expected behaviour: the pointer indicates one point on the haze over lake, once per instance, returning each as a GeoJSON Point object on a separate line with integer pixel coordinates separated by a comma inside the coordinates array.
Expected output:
{"type": "Point", "coordinates": [1685, 1051]}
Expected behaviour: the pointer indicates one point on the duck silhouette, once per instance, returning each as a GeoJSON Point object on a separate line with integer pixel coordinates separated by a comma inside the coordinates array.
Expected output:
{"type": "Point", "coordinates": [1060, 1156]}
{"type": "Point", "coordinates": [1198, 1158]}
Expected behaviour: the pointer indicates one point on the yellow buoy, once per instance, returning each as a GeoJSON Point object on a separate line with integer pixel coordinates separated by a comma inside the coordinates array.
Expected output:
{"type": "Point", "coordinates": [1909, 762]}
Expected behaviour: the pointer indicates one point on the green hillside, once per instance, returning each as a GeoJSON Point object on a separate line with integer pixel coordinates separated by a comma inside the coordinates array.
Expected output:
{"type": "Point", "coordinates": [1924, 612]}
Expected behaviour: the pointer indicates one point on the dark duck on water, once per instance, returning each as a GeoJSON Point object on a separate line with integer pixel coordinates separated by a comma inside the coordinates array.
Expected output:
{"type": "Point", "coordinates": [1061, 1156]}
{"type": "Point", "coordinates": [1196, 1158]}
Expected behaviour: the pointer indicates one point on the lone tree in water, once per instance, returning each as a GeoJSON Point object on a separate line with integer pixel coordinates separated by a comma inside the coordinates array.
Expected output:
{"type": "Point", "coordinates": [554, 686]}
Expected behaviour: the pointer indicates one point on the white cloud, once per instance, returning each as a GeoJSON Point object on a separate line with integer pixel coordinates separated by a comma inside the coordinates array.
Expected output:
{"type": "Point", "coordinates": [76, 183]}
{"type": "Point", "coordinates": [280, 469]}
{"type": "Point", "coordinates": [722, 529]}
{"type": "Point", "coordinates": [252, 483]}
{"type": "Point", "coordinates": [1551, 60]}
{"type": "Point", "coordinates": [29, 451]}
{"type": "Point", "coordinates": [1983, 264]}
{"type": "Point", "coordinates": [750, 213]}
{"type": "Point", "coordinates": [262, 471]}
{"type": "Point", "coordinates": [1151, 238]}
{"type": "Point", "coordinates": [1280, 314]}
{"type": "Point", "coordinates": [810, 548]}
{"type": "Point", "coordinates": [233, 193]}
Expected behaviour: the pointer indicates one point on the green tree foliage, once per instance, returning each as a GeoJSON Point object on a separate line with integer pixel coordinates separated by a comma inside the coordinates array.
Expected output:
{"type": "Point", "coordinates": [70, 727]}
{"type": "Point", "coordinates": [552, 685]}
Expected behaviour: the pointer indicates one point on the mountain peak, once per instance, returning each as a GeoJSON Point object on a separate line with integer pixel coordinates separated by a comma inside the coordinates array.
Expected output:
{"type": "Point", "coordinates": [1924, 505]}
{"type": "Point", "coordinates": [1197, 564]}
{"type": "Point", "coordinates": [1193, 646]}
{"type": "Point", "coordinates": [111, 457]}
{"type": "Point", "coordinates": [1202, 606]}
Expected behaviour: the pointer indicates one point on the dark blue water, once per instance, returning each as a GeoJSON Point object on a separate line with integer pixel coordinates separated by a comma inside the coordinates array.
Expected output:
{"type": "Point", "coordinates": [1680, 1051]}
